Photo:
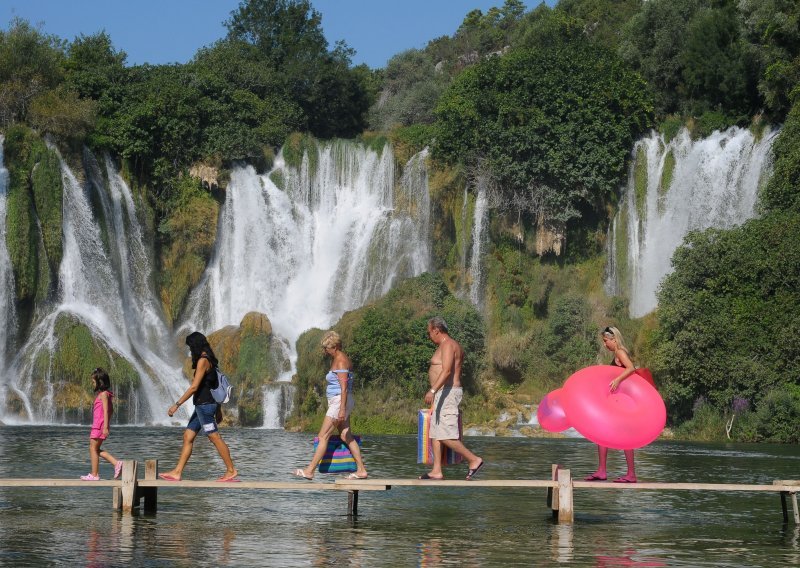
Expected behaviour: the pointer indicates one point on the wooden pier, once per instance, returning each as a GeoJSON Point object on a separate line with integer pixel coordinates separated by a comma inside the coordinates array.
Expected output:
{"type": "Point", "coordinates": [131, 493]}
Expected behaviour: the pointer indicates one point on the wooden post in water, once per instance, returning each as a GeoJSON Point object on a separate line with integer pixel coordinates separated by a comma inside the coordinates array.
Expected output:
{"type": "Point", "coordinates": [552, 494]}
{"type": "Point", "coordinates": [116, 498]}
{"type": "Point", "coordinates": [150, 494]}
{"type": "Point", "coordinates": [352, 503]}
{"type": "Point", "coordinates": [129, 485]}
{"type": "Point", "coordinates": [565, 513]}
{"type": "Point", "coordinates": [791, 495]}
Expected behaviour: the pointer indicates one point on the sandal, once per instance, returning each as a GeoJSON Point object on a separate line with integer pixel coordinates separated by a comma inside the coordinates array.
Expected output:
{"type": "Point", "coordinates": [118, 469]}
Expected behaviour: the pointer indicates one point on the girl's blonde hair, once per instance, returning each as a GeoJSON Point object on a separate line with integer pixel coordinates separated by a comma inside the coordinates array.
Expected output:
{"type": "Point", "coordinates": [614, 332]}
{"type": "Point", "coordinates": [331, 339]}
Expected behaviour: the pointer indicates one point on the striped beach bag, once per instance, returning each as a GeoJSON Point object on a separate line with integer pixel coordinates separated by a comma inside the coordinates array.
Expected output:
{"type": "Point", "coordinates": [337, 458]}
{"type": "Point", "coordinates": [425, 444]}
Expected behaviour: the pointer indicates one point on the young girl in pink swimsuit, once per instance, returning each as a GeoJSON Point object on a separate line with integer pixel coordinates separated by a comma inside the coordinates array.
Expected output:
{"type": "Point", "coordinates": [102, 409]}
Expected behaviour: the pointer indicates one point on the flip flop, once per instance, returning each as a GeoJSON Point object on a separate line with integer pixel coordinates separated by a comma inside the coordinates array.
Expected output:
{"type": "Point", "coordinates": [300, 473]}
{"type": "Point", "coordinates": [624, 479]}
{"type": "Point", "coordinates": [472, 472]}
{"type": "Point", "coordinates": [594, 477]}
{"type": "Point", "coordinates": [229, 480]}
{"type": "Point", "coordinates": [426, 476]}
{"type": "Point", "coordinates": [118, 469]}
{"type": "Point", "coordinates": [168, 477]}
{"type": "Point", "coordinates": [355, 476]}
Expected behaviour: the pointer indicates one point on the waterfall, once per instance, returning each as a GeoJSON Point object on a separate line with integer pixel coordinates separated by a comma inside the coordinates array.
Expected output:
{"type": "Point", "coordinates": [277, 404]}
{"type": "Point", "coordinates": [107, 288]}
{"type": "Point", "coordinates": [674, 188]}
{"type": "Point", "coordinates": [7, 311]}
{"type": "Point", "coordinates": [476, 262]}
{"type": "Point", "coordinates": [305, 244]}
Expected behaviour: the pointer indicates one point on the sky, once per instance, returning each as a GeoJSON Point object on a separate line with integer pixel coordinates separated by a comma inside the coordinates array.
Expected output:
{"type": "Point", "coordinates": [171, 31]}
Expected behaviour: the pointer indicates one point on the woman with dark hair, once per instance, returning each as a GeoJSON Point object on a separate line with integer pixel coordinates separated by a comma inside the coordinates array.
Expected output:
{"type": "Point", "coordinates": [204, 417]}
{"type": "Point", "coordinates": [102, 410]}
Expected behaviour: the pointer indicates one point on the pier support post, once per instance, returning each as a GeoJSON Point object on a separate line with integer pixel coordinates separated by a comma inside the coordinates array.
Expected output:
{"type": "Point", "coordinates": [791, 495]}
{"type": "Point", "coordinates": [352, 503]}
{"type": "Point", "coordinates": [129, 485]}
{"type": "Point", "coordinates": [565, 513]}
{"type": "Point", "coordinates": [552, 493]}
{"type": "Point", "coordinates": [116, 498]}
{"type": "Point", "coordinates": [150, 494]}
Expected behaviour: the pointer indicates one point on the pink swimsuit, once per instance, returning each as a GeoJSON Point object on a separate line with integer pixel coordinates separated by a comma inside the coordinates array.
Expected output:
{"type": "Point", "coordinates": [97, 415]}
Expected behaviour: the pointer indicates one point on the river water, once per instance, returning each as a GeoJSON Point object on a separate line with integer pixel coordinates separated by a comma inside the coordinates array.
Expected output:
{"type": "Point", "coordinates": [401, 527]}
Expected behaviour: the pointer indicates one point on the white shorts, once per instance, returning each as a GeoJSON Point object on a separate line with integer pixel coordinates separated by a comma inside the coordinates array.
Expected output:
{"type": "Point", "coordinates": [335, 403]}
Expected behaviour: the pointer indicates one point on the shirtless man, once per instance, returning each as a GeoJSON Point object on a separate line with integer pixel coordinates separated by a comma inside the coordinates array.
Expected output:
{"type": "Point", "coordinates": [445, 394]}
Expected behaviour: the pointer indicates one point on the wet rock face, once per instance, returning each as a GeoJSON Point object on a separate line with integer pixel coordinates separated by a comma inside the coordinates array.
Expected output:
{"type": "Point", "coordinates": [252, 357]}
{"type": "Point", "coordinates": [208, 175]}
{"type": "Point", "coordinates": [256, 323]}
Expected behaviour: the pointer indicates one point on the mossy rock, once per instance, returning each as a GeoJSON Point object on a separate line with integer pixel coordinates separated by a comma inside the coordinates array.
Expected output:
{"type": "Point", "coordinates": [252, 357]}
{"type": "Point", "coordinates": [298, 145]}
{"type": "Point", "coordinates": [189, 231]}
{"type": "Point", "coordinates": [64, 372]}
{"type": "Point", "coordinates": [33, 214]}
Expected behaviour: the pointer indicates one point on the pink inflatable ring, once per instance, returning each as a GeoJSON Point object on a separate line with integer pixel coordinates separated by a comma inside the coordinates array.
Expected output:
{"type": "Point", "coordinates": [628, 418]}
{"type": "Point", "coordinates": [551, 414]}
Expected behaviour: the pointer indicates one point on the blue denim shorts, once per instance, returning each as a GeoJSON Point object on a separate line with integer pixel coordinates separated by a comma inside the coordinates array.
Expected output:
{"type": "Point", "coordinates": [203, 415]}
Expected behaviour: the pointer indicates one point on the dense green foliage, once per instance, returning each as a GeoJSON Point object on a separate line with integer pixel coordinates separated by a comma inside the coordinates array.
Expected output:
{"type": "Point", "coordinates": [34, 213]}
{"type": "Point", "coordinates": [553, 125]}
{"type": "Point", "coordinates": [389, 344]}
{"type": "Point", "coordinates": [782, 192]}
{"type": "Point", "coordinates": [729, 314]}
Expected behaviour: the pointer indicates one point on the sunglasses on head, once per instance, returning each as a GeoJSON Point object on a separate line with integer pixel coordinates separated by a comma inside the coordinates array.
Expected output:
{"type": "Point", "coordinates": [608, 331]}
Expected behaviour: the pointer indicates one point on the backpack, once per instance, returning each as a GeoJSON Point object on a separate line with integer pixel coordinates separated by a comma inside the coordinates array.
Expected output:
{"type": "Point", "coordinates": [222, 392]}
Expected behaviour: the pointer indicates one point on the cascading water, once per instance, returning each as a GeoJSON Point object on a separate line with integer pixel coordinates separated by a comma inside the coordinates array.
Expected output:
{"type": "Point", "coordinates": [7, 311]}
{"type": "Point", "coordinates": [682, 185]}
{"type": "Point", "coordinates": [106, 289]}
{"type": "Point", "coordinates": [337, 233]}
{"type": "Point", "coordinates": [476, 262]}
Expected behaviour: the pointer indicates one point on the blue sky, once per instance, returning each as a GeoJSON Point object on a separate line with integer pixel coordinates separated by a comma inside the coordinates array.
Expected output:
{"type": "Point", "coordinates": [169, 31]}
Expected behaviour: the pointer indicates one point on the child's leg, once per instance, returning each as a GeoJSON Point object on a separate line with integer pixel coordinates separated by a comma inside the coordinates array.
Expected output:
{"type": "Point", "coordinates": [94, 454]}
{"type": "Point", "coordinates": [108, 457]}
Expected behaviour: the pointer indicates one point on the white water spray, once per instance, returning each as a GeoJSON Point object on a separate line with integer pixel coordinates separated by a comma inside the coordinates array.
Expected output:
{"type": "Point", "coordinates": [7, 311]}
{"type": "Point", "coordinates": [337, 233]}
{"type": "Point", "coordinates": [714, 183]}
{"type": "Point", "coordinates": [106, 289]}
{"type": "Point", "coordinates": [478, 236]}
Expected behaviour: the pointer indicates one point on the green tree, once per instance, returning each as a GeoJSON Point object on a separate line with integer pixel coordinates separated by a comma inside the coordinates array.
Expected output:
{"type": "Point", "coordinates": [782, 192]}
{"type": "Point", "coordinates": [30, 64]}
{"type": "Point", "coordinates": [603, 20]}
{"type": "Point", "coordinates": [411, 87]}
{"type": "Point", "coordinates": [719, 70]}
{"type": "Point", "coordinates": [94, 69]}
{"type": "Point", "coordinates": [729, 314]}
{"type": "Point", "coordinates": [553, 126]}
{"type": "Point", "coordinates": [63, 114]}
{"type": "Point", "coordinates": [288, 34]}
{"type": "Point", "coordinates": [773, 27]}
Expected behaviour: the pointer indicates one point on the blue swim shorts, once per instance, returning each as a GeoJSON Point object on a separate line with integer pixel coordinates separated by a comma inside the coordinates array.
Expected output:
{"type": "Point", "coordinates": [203, 419]}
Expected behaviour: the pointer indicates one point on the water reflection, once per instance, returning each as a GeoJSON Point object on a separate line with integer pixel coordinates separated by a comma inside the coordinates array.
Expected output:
{"type": "Point", "coordinates": [339, 549]}
{"type": "Point", "coordinates": [626, 560]}
{"type": "Point", "coordinates": [562, 549]}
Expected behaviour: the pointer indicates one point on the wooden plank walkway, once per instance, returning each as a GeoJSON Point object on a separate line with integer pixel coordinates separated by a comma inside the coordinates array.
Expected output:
{"type": "Point", "coordinates": [128, 491]}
